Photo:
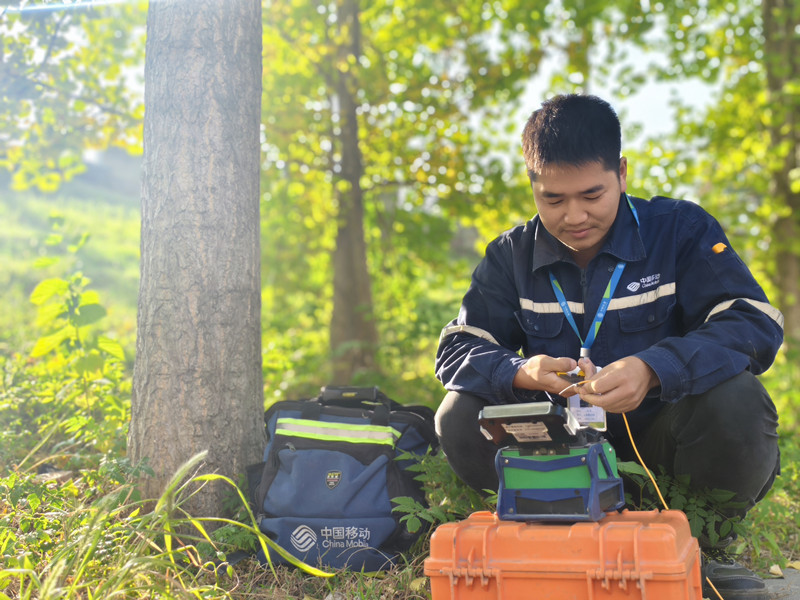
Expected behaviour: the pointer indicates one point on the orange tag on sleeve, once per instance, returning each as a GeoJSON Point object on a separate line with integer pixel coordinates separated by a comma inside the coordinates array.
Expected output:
{"type": "Point", "coordinates": [718, 248]}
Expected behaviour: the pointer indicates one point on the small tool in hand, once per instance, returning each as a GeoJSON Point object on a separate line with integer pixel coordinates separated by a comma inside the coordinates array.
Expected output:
{"type": "Point", "coordinates": [575, 378]}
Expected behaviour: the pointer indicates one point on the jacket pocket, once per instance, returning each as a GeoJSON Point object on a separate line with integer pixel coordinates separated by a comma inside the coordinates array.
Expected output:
{"type": "Point", "coordinates": [545, 325]}
{"type": "Point", "coordinates": [544, 333]}
{"type": "Point", "coordinates": [646, 317]}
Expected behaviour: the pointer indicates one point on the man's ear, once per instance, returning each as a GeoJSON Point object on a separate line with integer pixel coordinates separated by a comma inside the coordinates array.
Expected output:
{"type": "Point", "coordinates": [623, 174]}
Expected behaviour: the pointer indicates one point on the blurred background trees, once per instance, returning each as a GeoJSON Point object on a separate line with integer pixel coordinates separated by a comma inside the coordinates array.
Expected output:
{"type": "Point", "coordinates": [68, 83]}
{"type": "Point", "coordinates": [390, 151]}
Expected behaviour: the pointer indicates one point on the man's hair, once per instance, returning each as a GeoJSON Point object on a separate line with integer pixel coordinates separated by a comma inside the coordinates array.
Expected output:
{"type": "Point", "coordinates": [572, 130]}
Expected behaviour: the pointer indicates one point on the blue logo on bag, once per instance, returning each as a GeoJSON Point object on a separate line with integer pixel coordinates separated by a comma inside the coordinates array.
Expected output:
{"type": "Point", "coordinates": [303, 538]}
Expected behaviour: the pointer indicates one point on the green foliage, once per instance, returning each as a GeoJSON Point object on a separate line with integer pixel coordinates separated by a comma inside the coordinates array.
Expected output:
{"type": "Point", "coordinates": [772, 528]}
{"type": "Point", "coordinates": [232, 536]}
{"type": "Point", "coordinates": [67, 310]}
{"type": "Point", "coordinates": [41, 238]}
{"type": "Point", "coordinates": [56, 544]}
{"type": "Point", "coordinates": [71, 393]}
{"type": "Point", "coordinates": [768, 535]}
{"type": "Point", "coordinates": [707, 510]}
{"type": "Point", "coordinates": [69, 83]}
{"type": "Point", "coordinates": [449, 499]}
{"type": "Point", "coordinates": [782, 381]}
{"type": "Point", "coordinates": [431, 127]}
{"type": "Point", "coordinates": [78, 528]}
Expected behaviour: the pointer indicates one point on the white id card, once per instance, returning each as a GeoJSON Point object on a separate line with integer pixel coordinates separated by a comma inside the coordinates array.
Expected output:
{"type": "Point", "coordinates": [587, 414]}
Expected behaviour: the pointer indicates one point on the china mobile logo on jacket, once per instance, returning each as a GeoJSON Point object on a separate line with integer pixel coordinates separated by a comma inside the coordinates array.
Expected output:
{"type": "Point", "coordinates": [644, 282]}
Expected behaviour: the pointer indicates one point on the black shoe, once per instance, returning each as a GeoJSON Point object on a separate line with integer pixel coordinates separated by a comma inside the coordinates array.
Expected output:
{"type": "Point", "coordinates": [732, 580]}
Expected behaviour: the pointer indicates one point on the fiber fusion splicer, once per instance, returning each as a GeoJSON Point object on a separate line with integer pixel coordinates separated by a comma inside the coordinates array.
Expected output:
{"type": "Point", "coordinates": [550, 468]}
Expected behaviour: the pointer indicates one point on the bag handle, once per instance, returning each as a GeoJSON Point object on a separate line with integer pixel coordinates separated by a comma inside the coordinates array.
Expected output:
{"type": "Point", "coordinates": [355, 397]}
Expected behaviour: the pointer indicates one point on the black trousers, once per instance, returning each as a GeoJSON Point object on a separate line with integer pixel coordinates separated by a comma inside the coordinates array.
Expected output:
{"type": "Point", "coordinates": [725, 438]}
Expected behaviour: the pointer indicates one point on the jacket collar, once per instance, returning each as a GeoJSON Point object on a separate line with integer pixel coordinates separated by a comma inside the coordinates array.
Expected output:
{"type": "Point", "coordinates": [623, 241]}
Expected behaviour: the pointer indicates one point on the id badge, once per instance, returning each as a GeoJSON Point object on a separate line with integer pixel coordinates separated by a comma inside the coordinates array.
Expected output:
{"type": "Point", "coordinates": [587, 414]}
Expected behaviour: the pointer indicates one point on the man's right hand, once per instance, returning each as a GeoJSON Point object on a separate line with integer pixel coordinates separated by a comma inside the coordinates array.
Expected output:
{"type": "Point", "coordinates": [540, 373]}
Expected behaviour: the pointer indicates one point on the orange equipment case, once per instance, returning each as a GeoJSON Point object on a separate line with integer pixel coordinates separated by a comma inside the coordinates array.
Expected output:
{"type": "Point", "coordinates": [647, 555]}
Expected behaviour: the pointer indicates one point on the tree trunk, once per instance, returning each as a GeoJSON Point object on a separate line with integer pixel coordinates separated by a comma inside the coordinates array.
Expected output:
{"type": "Point", "coordinates": [197, 383]}
{"type": "Point", "coordinates": [782, 61]}
{"type": "Point", "coordinates": [353, 332]}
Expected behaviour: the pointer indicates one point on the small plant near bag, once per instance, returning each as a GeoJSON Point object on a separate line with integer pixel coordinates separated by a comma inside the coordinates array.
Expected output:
{"type": "Point", "coordinates": [449, 499]}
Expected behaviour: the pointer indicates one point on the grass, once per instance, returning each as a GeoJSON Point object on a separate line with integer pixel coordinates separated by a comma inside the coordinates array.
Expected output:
{"type": "Point", "coordinates": [82, 532]}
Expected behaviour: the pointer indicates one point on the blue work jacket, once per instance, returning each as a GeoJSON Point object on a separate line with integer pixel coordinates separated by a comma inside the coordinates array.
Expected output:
{"type": "Point", "coordinates": [686, 305]}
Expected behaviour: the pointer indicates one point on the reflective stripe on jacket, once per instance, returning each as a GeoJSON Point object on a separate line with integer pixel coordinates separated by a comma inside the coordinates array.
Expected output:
{"type": "Point", "coordinates": [686, 305]}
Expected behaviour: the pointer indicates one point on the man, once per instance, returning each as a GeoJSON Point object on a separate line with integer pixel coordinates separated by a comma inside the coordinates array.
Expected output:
{"type": "Point", "coordinates": [681, 331]}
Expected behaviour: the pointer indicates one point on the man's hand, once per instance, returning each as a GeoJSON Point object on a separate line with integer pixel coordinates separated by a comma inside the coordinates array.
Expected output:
{"type": "Point", "coordinates": [539, 373]}
{"type": "Point", "coordinates": [621, 386]}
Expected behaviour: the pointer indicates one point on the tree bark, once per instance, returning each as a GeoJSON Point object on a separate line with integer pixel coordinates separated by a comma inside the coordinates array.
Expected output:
{"type": "Point", "coordinates": [353, 332]}
{"type": "Point", "coordinates": [782, 61]}
{"type": "Point", "coordinates": [197, 383]}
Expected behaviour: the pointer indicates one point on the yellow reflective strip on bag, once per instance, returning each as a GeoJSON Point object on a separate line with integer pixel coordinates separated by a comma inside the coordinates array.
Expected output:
{"type": "Point", "coordinates": [344, 432]}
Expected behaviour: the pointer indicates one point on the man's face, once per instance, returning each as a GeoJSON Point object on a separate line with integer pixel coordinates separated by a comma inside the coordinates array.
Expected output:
{"type": "Point", "coordinates": [578, 204]}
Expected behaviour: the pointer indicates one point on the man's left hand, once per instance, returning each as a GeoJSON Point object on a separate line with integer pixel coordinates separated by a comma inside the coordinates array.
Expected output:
{"type": "Point", "coordinates": [621, 386]}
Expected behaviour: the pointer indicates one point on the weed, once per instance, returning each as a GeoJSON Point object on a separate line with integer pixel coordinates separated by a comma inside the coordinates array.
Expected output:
{"type": "Point", "coordinates": [772, 529]}
{"type": "Point", "coordinates": [113, 546]}
{"type": "Point", "coordinates": [707, 510]}
{"type": "Point", "coordinates": [449, 499]}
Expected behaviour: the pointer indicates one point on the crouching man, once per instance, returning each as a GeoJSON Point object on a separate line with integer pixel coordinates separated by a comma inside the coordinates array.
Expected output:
{"type": "Point", "coordinates": [647, 297]}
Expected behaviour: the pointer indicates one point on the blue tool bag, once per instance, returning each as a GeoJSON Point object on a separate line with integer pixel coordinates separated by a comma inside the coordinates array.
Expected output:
{"type": "Point", "coordinates": [324, 491]}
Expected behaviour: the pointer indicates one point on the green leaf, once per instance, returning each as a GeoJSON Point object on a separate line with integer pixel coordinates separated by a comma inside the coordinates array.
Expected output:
{"type": "Point", "coordinates": [677, 501]}
{"type": "Point", "coordinates": [88, 314]}
{"type": "Point", "coordinates": [90, 363]}
{"type": "Point", "coordinates": [631, 467]}
{"type": "Point", "coordinates": [54, 239]}
{"type": "Point", "coordinates": [111, 347]}
{"type": "Point", "coordinates": [413, 524]}
{"type": "Point", "coordinates": [725, 528]}
{"type": "Point", "coordinates": [34, 502]}
{"type": "Point", "coordinates": [89, 297]}
{"type": "Point", "coordinates": [48, 314]}
{"type": "Point", "coordinates": [713, 536]}
{"type": "Point", "coordinates": [48, 343]}
{"type": "Point", "coordinates": [45, 261]}
{"type": "Point", "coordinates": [696, 525]}
{"type": "Point", "coordinates": [48, 288]}
{"type": "Point", "coordinates": [73, 248]}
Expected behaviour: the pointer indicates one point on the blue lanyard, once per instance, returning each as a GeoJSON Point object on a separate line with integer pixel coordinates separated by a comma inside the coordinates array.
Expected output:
{"type": "Point", "coordinates": [602, 309]}
{"type": "Point", "coordinates": [633, 210]}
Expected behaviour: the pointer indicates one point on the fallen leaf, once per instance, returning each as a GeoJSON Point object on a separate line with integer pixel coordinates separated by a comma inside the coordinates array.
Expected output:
{"type": "Point", "coordinates": [776, 571]}
{"type": "Point", "coordinates": [418, 584]}
{"type": "Point", "coordinates": [795, 564]}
